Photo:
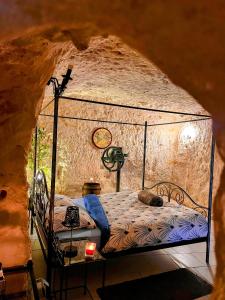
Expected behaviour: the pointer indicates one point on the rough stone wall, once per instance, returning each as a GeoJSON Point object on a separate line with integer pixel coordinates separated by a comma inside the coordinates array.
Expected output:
{"type": "Point", "coordinates": [131, 79]}
{"type": "Point", "coordinates": [169, 156]}
{"type": "Point", "coordinates": [25, 65]}
{"type": "Point", "coordinates": [185, 39]}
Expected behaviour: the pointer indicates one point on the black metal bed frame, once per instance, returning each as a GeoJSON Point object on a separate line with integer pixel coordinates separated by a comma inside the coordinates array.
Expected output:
{"type": "Point", "coordinates": [42, 202]}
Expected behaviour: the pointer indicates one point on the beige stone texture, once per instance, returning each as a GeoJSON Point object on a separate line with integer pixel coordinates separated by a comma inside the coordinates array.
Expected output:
{"type": "Point", "coordinates": [184, 38]}
{"type": "Point", "coordinates": [132, 79]}
{"type": "Point", "coordinates": [26, 66]}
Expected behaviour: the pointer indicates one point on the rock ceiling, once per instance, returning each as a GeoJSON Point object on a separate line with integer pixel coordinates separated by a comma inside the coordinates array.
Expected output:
{"type": "Point", "coordinates": [184, 38]}
{"type": "Point", "coordinates": [111, 71]}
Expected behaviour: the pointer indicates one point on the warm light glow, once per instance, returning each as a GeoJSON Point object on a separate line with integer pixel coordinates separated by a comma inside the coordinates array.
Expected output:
{"type": "Point", "coordinates": [189, 133]}
{"type": "Point", "coordinates": [90, 249]}
{"type": "Point", "coordinates": [91, 179]}
{"type": "Point", "coordinates": [39, 177]}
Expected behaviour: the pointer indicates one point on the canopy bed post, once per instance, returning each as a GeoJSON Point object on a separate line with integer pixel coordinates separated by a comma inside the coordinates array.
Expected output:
{"type": "Point", "coordinates": [33, 184]}
{"type": "Point", "coordinates": [52, 193]}
{"type": "Point", "coordinates": [118, 181]}
{"type": "Point", "coordinates": [144, 154]}
{"type": "Point", "coordinates": [210, 197]}
{"type": "Point", "coordinates": [35, 153]}
{"type": "Point", "coordinates": [58, 90]}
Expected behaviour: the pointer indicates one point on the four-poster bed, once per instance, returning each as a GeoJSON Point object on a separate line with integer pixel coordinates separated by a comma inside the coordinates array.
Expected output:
{"type": "Point", "coordinates": [43, 204]}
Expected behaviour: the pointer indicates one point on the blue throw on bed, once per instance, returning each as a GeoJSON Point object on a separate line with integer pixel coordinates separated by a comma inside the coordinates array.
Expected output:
{"type": "Point", "coordinates": [96, 211]}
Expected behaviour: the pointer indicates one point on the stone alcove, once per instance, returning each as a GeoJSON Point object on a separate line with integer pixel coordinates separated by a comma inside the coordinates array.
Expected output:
{"type": "Point", "coordinates": [184, 40]}
{"type": "Point", "coordinates": [111, 71]}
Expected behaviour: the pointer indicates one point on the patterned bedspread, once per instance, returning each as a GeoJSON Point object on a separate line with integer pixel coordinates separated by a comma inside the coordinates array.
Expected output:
{"type": "Point", "coordinates": [134, 224]}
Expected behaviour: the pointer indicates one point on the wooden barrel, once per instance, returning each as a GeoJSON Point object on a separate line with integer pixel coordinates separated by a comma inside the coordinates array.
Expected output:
{"type": "Point", "coordinates": [91, 188]}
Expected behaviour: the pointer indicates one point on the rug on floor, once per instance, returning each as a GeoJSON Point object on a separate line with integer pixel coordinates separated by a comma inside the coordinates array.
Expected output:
{"type": "Point", "coordinates": [179, 284]}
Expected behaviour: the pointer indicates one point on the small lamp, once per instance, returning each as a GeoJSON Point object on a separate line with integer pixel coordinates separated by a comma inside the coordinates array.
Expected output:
{"type": "Point", "coordinates": [72, 220]}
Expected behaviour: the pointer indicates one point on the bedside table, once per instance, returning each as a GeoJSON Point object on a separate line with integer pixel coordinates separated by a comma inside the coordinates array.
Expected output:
{"type": "Point", "coordinates": [79, 259]}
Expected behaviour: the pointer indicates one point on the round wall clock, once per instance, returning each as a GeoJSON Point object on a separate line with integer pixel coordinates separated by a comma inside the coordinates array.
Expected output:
{"type": "Point", "coordinates": [101, 138]}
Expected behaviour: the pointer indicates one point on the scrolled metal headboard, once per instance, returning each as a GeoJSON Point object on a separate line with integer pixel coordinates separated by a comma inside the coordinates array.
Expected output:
{"type": "Point", "coordinates": [41, 200]}
{"type": "Point", "coordinates": [177, 193]}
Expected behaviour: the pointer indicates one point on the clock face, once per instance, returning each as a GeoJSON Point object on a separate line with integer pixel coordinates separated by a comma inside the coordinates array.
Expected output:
{"type": "Point", "coordinates": [102, 137]}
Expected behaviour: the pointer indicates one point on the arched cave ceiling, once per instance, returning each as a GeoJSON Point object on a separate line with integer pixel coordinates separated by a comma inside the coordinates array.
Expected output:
{"type": "Point", "coordinates": [184, 38]}
{"type": "Point", "coordinates": [109, 70]}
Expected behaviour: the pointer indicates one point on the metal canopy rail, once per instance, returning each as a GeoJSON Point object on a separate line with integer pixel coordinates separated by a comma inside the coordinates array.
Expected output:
{"type": "Point", "coordinates": [133, 107]}
{"type": "Point", "coordinates": [124, 123]}
{"type": "Point", "coordinates": [58, 89]}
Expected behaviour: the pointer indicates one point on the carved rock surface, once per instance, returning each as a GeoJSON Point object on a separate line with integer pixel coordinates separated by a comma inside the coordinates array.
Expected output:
{"type": "Point", "coordinates": [26, 65]}
{"type": "Point", "coordinates": [111, 71]}
{"type": "Point", "coordinates": [185, 39]}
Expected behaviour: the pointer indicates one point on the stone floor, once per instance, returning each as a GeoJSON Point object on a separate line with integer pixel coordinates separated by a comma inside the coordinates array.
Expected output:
{"type": "Point", "coordinates": [135, 266]}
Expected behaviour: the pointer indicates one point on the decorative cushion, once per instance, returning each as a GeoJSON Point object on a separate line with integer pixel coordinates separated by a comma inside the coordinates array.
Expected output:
{"type": "Point", "coordinates": [150, 199]}
{"type": "Point", "coordinates": [59, 215]}
{"type": "Point", "coordinates": [143, 196]}
{"type": "Point", "coordinates": [156, 201]}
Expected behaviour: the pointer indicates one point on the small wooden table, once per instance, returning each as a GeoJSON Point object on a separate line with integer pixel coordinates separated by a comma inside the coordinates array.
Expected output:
{"type": "Point", "coordinates": [79, 259]}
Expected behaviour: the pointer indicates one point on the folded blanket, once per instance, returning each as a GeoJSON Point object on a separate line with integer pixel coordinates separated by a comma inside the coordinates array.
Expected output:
{"type": "Point", "coordinates": [96, 211]}
{"type": "Point", "coordinates": [150, 199]}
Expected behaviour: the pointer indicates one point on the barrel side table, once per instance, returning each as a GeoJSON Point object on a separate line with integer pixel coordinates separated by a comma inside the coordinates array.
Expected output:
{"type": "Point", "coordinates": [91, 188]}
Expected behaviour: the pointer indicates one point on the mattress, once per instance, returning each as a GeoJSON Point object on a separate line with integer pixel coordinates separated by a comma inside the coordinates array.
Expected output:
{"type": "Point", "coordinates": [93, 235]}
{"type": "Point", "coordinates": [135, 224]}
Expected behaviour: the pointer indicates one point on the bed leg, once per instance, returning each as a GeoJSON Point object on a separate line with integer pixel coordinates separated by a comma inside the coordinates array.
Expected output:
{"type": "Point", "coordinates": [31, 225]}
{"type": "Point", "coordinates": [85, 278]}
{"type": "Point", "coordinates": [33, 279]}
{"type": "Point", "coordinates": [210, 198]}
{"type": "Point", "coordinates": [61, 283]}
{"type": "Point", "coordinates": [103, 274]}
{"type": "Point", "coordinates": [207, 251]}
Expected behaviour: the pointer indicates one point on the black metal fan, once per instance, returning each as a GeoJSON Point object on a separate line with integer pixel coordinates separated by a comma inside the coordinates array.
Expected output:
{"type": "Point", "coordinates": [113, 159]}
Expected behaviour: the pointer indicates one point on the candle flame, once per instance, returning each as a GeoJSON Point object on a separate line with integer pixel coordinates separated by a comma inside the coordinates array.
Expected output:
{"type": "Point", "coordinates": [90, 249]}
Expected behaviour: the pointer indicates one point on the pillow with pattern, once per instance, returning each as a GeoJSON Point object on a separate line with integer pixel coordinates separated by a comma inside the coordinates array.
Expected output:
{"type": "Point", "coordinates": [59, 215]}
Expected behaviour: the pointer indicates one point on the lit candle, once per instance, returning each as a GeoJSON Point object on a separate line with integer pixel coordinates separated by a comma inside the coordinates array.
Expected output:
{"type": "Point", "coordinates": [91, 179]}
{"type": "Point", "coordinates": [90, 249]}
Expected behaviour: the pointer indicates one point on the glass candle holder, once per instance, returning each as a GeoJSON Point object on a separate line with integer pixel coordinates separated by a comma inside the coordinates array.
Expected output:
{"type": "Point", "coordinates": [90, 249]}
